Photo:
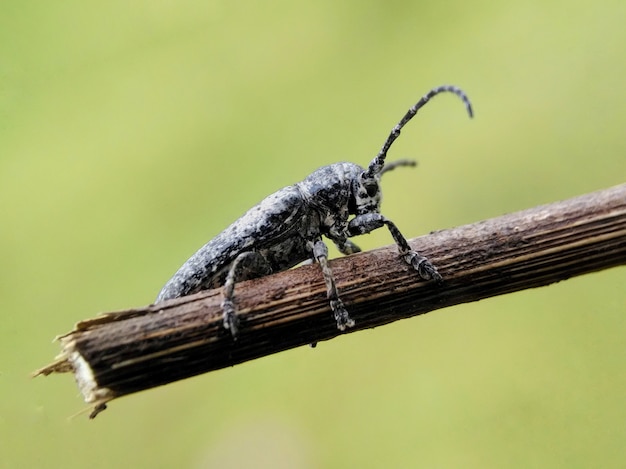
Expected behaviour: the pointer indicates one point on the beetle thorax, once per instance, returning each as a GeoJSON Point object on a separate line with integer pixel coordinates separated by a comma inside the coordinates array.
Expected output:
{"type": "Point", "coordinates": [330, 186]}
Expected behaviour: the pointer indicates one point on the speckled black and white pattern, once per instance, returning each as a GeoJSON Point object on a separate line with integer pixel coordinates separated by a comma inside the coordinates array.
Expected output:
{"type": "Point", "coordinates": [286, 228]}
{"type": "Point", "coordinates": [279, 228]}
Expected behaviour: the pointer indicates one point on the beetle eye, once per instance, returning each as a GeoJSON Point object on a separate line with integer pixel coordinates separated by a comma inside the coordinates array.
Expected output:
{"type": "Point", "coordinates": [371, 188]}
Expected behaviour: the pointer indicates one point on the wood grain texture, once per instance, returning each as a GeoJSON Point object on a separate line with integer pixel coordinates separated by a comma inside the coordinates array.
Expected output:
{"type": "Point", "coordinates": [128, 351]}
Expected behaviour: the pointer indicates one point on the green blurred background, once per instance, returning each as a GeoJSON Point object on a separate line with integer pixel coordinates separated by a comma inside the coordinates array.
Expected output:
{"type": "Point", "coordinates": [132, 132]}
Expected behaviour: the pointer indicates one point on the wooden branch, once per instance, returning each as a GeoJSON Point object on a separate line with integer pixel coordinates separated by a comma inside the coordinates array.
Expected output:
{"type": "Point", "coordinates": [128, 351]}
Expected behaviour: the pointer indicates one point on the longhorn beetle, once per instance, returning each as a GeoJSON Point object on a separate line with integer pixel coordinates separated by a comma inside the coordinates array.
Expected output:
{"type": "Point", "coordinates": [286, 228]}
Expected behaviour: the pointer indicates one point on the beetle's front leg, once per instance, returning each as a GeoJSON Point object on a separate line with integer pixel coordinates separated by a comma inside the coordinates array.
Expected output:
{"type": "Point", "coordinates": [320, 253]}
{"type": "Point", "coordinates": [368, 222]}
{"type": "Point", "coordinates": [246, 265]}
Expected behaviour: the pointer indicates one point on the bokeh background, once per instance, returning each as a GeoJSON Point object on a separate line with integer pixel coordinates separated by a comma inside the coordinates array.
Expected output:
{"type": "Point", "coordinates": [132, 132]}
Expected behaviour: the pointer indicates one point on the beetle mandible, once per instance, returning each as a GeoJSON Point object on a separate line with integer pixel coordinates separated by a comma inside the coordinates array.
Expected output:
{"type": "Point", "coordinates": [286, 229]}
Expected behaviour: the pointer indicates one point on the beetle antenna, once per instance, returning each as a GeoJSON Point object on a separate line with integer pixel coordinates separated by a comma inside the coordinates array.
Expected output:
{"type": "Point", "coordinates": [377, 164]}
{"type": "Point", "coordinates": [396, 164]}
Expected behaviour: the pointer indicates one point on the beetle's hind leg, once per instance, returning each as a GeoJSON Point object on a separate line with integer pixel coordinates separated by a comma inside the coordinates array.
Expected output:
{"type": "Point", "coordinates": [320, 253]}
{"type": "Point", "coordinates": [246, 265]}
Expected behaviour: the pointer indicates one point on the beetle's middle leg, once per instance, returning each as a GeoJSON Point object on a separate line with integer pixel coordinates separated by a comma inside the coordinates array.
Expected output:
{"type": "Point", "coordinates": [246, 265]}
{"type": "Point", "coordinates": [320, 253]}
{"type": "Point", "coordinates": [346, 247]}
{"type": "Point", "coordinates": [368, 222]}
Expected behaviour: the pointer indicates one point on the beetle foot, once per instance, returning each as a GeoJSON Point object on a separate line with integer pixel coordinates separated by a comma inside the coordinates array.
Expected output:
{"type": "Point", "coordinates": [230, 319]}
{"type": "Point", "coordinates": [342, 317]}
{"type": "Point", "coordinates": [423, 266]}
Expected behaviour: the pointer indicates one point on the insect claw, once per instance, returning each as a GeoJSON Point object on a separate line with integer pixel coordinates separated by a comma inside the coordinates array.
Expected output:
{"type": "Point", "coordinates": [434, 275]}
{"type": "Point", "coordinates": [342, 317]}
{"type": "Point", "coordinates": [230, 319]}
{"type": "Point", "coordinates": [423, 266]}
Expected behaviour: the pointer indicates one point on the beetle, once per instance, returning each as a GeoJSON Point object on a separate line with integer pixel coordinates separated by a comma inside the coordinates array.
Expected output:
{"type": "Point", "coordinates": [286, 229]}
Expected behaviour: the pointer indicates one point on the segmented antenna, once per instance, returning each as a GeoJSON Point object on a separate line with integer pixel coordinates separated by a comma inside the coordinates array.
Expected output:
{"type": "Point", "coordinates": [396, 164]}
{"type": "Point", "coordinates": [377, 164]}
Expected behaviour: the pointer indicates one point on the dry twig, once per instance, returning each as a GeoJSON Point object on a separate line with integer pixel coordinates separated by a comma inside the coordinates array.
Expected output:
{"type": "Point", "coordinates": [128, 351]}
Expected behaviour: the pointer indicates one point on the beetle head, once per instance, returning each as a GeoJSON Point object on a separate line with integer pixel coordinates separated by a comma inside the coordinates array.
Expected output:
{"type": "Point", "coordinates": [366, 193]}
{"type": "Point", "coordinates": [366, 189]}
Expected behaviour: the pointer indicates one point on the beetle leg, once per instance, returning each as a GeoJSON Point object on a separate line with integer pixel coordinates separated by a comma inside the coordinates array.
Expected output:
{"type": "Point", "coordinates": [320, 253]}
{"type": "Point", "coordinates": [246, 265]}
{"type": "Point", "coordinates": [368, 222]}
{"type": "Point", "coordinates": [346, 247]}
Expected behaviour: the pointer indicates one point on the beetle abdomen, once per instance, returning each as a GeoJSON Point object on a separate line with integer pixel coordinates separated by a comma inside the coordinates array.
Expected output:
{"type": "Point", "coordinates": [276, 218]}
